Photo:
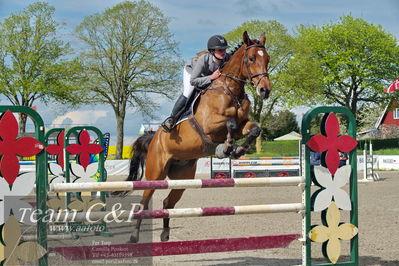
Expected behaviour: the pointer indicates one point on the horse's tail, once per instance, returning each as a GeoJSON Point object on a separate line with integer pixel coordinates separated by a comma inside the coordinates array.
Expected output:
{"type": "Point", "coordinates": [139, 154]}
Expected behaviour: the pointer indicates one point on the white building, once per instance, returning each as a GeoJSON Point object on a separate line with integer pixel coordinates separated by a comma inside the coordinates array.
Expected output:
{"type": "Point", "coordinates": [149, 127]}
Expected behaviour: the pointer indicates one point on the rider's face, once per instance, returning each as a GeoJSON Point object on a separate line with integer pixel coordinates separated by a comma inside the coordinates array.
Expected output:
{"type": "Point", "coordinates": [220, 53]}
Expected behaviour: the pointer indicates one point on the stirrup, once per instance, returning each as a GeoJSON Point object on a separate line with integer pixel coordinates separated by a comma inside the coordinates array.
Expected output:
{"type": "Point", "coordinates": [168, 124]}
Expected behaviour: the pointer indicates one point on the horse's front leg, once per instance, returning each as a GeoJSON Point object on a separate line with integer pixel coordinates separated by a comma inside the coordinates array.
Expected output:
{"type": "Point", "coordinates": [231, 125]}
{"type": "Point", "coordinates": [250, 130]}
{"type": "Point", "coordinates": [224, 150]}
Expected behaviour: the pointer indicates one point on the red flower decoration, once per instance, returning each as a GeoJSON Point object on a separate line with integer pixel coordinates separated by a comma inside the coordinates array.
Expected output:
{"type": "Point", "coordinates": [58, 149]}
{"type": "Point", "coordinates": [84, 149]}
{"type": "Point", "coordinates": [11, 147]}
{"type": "Point", "coordinates": [332, 143]}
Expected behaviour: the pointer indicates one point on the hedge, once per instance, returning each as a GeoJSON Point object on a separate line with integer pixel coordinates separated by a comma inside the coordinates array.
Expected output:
{"type": "Point", "coordinates": [379, 144]}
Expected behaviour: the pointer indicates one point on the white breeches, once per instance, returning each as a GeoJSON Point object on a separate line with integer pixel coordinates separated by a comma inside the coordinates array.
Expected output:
{"type": "Point", "coordinates": [188, 88]}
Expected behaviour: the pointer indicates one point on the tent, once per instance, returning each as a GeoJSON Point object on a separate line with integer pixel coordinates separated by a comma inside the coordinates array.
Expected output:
{"type": "Point", "coordinates": [290, 136]}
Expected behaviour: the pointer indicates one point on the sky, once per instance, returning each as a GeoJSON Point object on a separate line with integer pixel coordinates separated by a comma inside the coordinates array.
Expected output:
{"type": "Point", "coordinates": [192, 23]}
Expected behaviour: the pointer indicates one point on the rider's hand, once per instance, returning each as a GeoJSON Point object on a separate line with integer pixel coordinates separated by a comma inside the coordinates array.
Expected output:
{"type": "Point", "coordinates": [215, 74]}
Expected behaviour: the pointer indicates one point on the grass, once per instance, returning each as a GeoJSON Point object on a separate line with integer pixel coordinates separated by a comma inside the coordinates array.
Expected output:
{"type": "Point", "coordinates": [277, 149]}
{"type": "Point", "coordinates": [393, 151]}
{"type": "Point", "coordinates": [290, 148]}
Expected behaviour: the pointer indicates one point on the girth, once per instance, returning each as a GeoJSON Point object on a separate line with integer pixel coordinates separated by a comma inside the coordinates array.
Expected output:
{"type": "Point", "coordinates": [209, 145]}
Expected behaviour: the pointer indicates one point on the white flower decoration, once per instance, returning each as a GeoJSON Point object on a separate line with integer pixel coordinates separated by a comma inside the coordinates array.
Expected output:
{"type": "Point", "coordinates": [58, 173]}
{"type": "Point", "coordinates": [332, 188]}
{"type": "Point", "coordinates": [82, 174]}
{"type": "Point", "coordinates": [22, 186]}
{"type": "Point", "coordinates": [85, 176]}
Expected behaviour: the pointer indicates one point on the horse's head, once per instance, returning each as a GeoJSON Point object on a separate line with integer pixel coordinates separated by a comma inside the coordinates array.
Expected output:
{"type": "Point", "coordinates": [255, 61]}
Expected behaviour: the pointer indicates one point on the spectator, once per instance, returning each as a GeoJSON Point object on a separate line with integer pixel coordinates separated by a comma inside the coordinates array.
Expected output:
{"type": "Point", "coordinates": [315, 158]}
{"type": "Point", "coordinates": [343, 157]}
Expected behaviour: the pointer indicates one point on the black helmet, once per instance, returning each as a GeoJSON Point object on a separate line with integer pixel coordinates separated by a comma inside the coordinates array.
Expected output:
{"type": "Point", "coordinates": [217, 42]}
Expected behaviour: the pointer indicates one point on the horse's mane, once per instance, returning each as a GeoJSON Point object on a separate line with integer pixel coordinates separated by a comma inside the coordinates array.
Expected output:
{"type": "Point", "coordinates": [238, 45]}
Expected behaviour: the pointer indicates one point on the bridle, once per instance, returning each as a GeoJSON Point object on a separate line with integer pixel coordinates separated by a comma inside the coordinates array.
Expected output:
{"type": "Point", "coordinates": [250, 76]}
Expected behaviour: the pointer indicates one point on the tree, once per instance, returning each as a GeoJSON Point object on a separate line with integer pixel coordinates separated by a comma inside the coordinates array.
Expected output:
{"type": "Point", "coordinates": [32, 60]}
{"type": "Point", "coordinates": [130, 59]}
{"type": "Point", "coordinates": [279, 124]}
{"type": "Point", "coordinates": [368, 116]}
{"type": "Point", "coordinates": [279, 45]}
{"type": "Point", "coordinates": [348, 64]}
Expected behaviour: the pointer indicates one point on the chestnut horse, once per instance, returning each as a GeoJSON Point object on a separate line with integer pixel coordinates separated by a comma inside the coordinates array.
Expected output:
{"type": "Point", "coordinates": [220, 117]}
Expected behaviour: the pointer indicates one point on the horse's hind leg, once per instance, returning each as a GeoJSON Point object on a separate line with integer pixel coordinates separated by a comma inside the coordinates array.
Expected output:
{"type": "Point", "coordinates": [155, 170]}
{"type": "Point", "coordinates": [147, 194]}
{"type": "Point", "coordinates": [176, 172]}
{"type": "Point", "coordinates": [169, 203]}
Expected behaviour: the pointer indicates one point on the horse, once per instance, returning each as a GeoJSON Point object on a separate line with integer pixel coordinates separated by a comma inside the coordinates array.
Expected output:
{"type": "Point", "coordinates": [220, 116]}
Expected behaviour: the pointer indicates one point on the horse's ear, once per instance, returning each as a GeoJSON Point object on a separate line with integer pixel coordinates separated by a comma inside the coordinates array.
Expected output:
{"type": "Point", "coordinates": [262, 39]}
{"type": "Point", "coordinates": [246, 38]}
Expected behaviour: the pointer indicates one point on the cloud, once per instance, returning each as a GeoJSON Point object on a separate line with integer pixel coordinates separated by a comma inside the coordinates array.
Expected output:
{"type": "Point", "coordinates": [88, 117]}
{"type": "Point", "coordinates": [249, 7]}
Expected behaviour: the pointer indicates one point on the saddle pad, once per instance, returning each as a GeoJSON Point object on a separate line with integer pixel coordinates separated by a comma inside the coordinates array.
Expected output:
{"type": "Point", "coordinates": [188, 109]}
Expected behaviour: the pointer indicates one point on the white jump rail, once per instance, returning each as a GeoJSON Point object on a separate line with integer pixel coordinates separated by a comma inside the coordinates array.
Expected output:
{"type": "Point", "coordinates": [125, 215]}
{"type": "Point", "coordinates": [176, 184]}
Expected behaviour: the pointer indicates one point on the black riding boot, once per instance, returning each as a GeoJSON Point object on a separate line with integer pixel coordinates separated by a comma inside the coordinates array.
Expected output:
{"type": "Point", "coordinates": [170, 122]}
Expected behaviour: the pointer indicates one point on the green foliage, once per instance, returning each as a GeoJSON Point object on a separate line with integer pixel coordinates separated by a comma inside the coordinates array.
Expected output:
{"type": "Point", "coordinates": [279, 124]}
{"type": "Point", "coordinates": [32, 59]}
{"type": "Point", "coordinates": [348, 63]}
{"type": "Point", "coordinates": [315, 124]}
{"type": "Point", "coordinates": [279, 46]}
{"type": "Point", "coordinates": [130, 58]}
{"type": "Point", "coordinates": [380, 144]}
{"type": "Point", "coordinates": [318, 120]}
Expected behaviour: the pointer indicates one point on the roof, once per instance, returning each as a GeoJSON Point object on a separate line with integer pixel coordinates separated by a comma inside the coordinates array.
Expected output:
{"type": "Point", "coordinates": [290, 136]}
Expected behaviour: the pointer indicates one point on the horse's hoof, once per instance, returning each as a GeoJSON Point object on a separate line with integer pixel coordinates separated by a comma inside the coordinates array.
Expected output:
{"type": "Point", "coordinates": [234, 156]}
{"type": "Point", "coordinates": [165, 235]}
{"type": "Point", "coordinates": [134, 238]}
{"type": "Point", "coordinates": [120, 193]}
{"type": "Point", "coordinates": [237, 152]}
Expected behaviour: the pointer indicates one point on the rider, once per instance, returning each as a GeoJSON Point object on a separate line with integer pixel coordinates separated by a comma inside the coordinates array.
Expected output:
{"type": "Point", "coordinates": [199, 74]}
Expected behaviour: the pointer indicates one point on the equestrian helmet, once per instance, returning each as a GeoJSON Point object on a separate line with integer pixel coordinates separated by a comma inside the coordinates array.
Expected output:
{"type": "Point", "coordinates": [217, 42]}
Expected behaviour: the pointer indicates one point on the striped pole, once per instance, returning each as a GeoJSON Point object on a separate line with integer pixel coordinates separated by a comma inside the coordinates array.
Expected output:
{"type": "Point", "coordinates": [176, 184]}
{"type": "Point", "coordinates": [125, 215]}
{"type": "Point", "coordinates": [262, 164]}
{"type": "Point", "coordinates": [174, 247]}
